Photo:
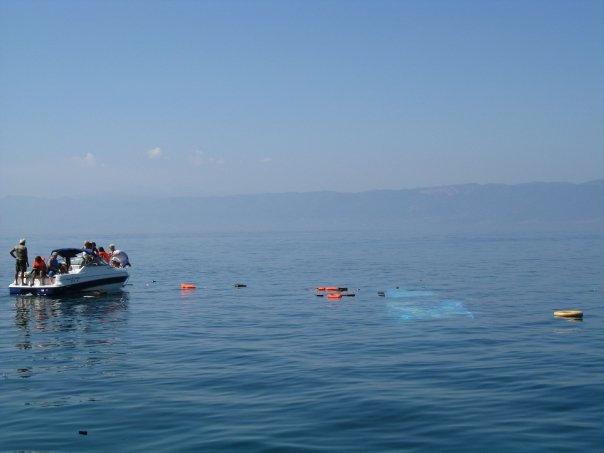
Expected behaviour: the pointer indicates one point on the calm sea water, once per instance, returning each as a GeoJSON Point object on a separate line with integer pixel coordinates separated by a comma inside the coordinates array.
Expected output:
{"type": "Point", "coordinates": [475, 363]}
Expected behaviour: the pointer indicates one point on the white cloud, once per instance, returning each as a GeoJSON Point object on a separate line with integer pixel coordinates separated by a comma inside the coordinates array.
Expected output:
{"type": "Point", "coordinates": [199, 159]}
{"type": "Point", "coordinates": [88, 160]}
{"type": "Point", "coordinates": [154, 153]}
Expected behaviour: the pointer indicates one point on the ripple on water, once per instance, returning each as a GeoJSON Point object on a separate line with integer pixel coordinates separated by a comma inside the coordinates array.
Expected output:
{"type": "Point", "coordinates": [470, 359]}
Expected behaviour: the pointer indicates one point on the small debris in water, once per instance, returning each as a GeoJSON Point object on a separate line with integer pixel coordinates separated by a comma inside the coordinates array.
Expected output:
{"type": "Point", "coordinates": [83, 433]}
{"type": "Point", "coordinates": [240, 285]}
{"type": "Point", "coordinates": [572, 314]}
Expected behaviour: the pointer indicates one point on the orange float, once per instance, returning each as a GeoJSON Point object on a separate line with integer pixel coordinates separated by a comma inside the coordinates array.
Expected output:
{"type": "Point", "coordinates": [188, 286]}
{"type": "Point", "coordinates": [334, 296]}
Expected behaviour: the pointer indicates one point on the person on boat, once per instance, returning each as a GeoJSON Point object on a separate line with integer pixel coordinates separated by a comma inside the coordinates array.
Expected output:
{"type": "Point", "coordinates": [88, 247]}
{"type": "Point", "coordinates": [119, 258]}
{"type": "Point", "coordinates": [104, 255]}
{"type": "Point", "coordinates": [54, 267]}
{"type": "Point", "coordinates": [38, 270]}
{"type": "Point", "coordinates": [19, 253]}
{"type": "Point", "coordinates": [90, 256]}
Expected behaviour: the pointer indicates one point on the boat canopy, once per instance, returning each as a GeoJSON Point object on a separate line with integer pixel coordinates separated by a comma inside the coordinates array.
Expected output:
{"type": "Point", "coordinates": [70, 253]}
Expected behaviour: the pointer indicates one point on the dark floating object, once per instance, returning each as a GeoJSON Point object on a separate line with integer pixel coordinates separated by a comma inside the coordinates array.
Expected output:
{"type": "Point", "coordinates": [153, 281]}
{"type": "Point", "coordinates": [240, 285]}
{"type": "Point", "coordinates": [381, 294]}
{"type": "Point", "coordinates": [336, 295]}
{"type": "Point", "coordinates": [83, 433]}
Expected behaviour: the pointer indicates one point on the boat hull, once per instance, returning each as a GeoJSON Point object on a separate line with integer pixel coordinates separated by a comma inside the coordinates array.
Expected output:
{"type": "Point", "coordinates": [93, 277]}
{"type": "Point", "coordinates": [108, 284]}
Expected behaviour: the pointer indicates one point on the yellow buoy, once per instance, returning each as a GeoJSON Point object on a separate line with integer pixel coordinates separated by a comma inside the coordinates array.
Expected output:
{"type": "Point", "coordinates": [568, 313]}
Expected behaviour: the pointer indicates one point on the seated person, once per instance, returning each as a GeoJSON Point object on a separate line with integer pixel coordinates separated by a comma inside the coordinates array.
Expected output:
{"type": "Point", "coordinates": [104, 255]}
{"type": "Point", "coordinates": [38, 270]}
{"type": "Point", "coordinates": [89, 256]}
{"type": "Point", "coordinates": [54, 267]}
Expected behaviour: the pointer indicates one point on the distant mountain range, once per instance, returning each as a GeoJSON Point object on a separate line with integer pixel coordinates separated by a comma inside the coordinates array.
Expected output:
{"type": "Point", "coordinates": [469, 208]}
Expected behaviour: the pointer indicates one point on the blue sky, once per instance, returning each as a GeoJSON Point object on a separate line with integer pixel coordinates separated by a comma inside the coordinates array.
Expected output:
{"type": "Point", "coordinates": [225, 97]}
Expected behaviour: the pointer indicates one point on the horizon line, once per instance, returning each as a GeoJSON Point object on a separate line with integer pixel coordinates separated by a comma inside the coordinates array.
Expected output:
{"type": "Point", "coordinates": [167, 197]}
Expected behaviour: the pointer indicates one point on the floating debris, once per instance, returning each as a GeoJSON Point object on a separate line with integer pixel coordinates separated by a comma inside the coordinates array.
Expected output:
{"type": "Point", "coordinates": [83, 432]}
{"type": "Point", "coordinates": [188, 286]}
{"type": "Point", "coordinates": [240, 285]}
{"type": "Point", "coordinates": [575, 314]}
{"type": "Point", "coordinates": [332, 288]}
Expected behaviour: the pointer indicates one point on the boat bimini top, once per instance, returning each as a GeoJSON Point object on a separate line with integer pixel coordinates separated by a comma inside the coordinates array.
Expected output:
{"type": "Point", "coordinates": [70, 253]}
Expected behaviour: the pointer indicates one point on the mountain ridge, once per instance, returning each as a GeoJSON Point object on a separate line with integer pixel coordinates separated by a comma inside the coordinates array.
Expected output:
{"type": "Point", "coordinates": [536, 206]}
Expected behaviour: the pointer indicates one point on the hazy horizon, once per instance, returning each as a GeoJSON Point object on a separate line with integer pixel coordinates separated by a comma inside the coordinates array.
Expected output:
{"type": "Point", "coordinates": [109, 194]}
{"type": "Point", "coordinates": [468, 208]}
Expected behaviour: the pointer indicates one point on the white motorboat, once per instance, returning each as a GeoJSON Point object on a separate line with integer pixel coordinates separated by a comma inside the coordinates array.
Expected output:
{"type": "Point", "coordinates": [83, 272]}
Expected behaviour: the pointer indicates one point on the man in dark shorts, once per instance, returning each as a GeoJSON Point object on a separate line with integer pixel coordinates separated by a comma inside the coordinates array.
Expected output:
{"type": "Point", "coordinates": [19, 253]}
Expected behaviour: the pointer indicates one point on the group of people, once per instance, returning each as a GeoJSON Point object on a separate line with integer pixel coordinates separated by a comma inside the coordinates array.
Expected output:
{"type": "Point", "coordinates": [115, 258]}
{"type": "Point", "coordinates": [42, 269]}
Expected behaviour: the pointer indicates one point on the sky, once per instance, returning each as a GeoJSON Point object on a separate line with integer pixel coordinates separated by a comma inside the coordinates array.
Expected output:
{"type": "Point", "coordinates": [238, 97]}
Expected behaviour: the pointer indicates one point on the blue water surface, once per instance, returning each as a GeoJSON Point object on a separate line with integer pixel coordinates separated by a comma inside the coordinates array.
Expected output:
{"type": "Point", "coordinates": [480, 366]}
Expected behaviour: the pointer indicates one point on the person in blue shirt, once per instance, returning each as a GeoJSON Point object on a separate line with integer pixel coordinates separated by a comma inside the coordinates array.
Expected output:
{"type": "Point", "coordinates": [54, 266]}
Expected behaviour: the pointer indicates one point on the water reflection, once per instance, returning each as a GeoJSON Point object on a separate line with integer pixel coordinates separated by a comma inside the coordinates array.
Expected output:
{"type": "Point", "coordinates": [69, 313]}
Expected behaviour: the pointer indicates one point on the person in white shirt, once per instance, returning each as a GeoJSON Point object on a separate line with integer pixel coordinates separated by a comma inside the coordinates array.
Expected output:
{"type": "Point", "coordinates": [119, 258]}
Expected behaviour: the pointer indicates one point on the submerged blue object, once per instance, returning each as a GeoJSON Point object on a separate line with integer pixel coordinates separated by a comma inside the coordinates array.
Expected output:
{"type": "Point", "coordinates": [439, 309]}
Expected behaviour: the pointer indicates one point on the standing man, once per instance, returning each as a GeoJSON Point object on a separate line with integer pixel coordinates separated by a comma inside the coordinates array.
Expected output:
{"type": "Point", "coordinates": [19, 253]}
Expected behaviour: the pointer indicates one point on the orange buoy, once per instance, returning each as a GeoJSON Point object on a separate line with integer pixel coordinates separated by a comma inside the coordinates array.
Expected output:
{"type": "Point", "coordinates": [334, 296]}
{"type": "Point", "coordinates": [188, 286]}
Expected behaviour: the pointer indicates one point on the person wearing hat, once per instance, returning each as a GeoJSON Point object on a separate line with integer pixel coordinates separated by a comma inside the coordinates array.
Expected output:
{"type": "Point", "coordinates": [19, 253]}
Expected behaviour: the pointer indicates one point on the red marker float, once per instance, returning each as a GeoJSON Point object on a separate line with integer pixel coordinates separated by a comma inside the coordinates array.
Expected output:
{"type": "Point", "coordinates": [334, 296]}
{"type": "Point", "coordinates": [188, 286]}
